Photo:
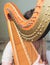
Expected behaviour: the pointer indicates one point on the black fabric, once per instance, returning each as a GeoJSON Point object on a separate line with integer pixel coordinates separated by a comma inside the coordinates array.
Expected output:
{"type": "Point", "coordinates": [28, 14]}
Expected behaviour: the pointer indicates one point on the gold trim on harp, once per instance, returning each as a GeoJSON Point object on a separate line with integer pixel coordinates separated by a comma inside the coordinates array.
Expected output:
{"type": "Point", "coordinates": [36, 25]}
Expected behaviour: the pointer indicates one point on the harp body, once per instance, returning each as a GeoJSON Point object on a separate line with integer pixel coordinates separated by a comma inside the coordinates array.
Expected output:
{"type": "Point", "coordinates": [24, 51]}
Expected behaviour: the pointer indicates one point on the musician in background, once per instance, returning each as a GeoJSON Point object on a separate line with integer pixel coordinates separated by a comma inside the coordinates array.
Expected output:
{"type": "Point", "coordinates": [40, 45]}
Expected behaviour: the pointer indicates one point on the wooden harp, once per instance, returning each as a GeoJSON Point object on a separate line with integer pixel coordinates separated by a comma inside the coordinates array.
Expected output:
{"type": "Point", "coordinates": [24, 52]}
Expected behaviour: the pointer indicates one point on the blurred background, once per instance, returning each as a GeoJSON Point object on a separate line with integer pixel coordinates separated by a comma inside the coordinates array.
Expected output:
{"type": "Point", "coordinates": [23, 5]}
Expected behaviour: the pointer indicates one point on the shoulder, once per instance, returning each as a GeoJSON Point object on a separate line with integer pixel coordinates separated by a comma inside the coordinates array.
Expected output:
{"type": "Point", "coordinates": [8, 46]}
{"type": "Point", "coordinates": [7, 53]}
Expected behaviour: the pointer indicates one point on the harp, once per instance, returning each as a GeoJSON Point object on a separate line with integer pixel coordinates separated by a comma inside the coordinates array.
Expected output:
{"type": "Point", "coordinates": [23, 50]}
